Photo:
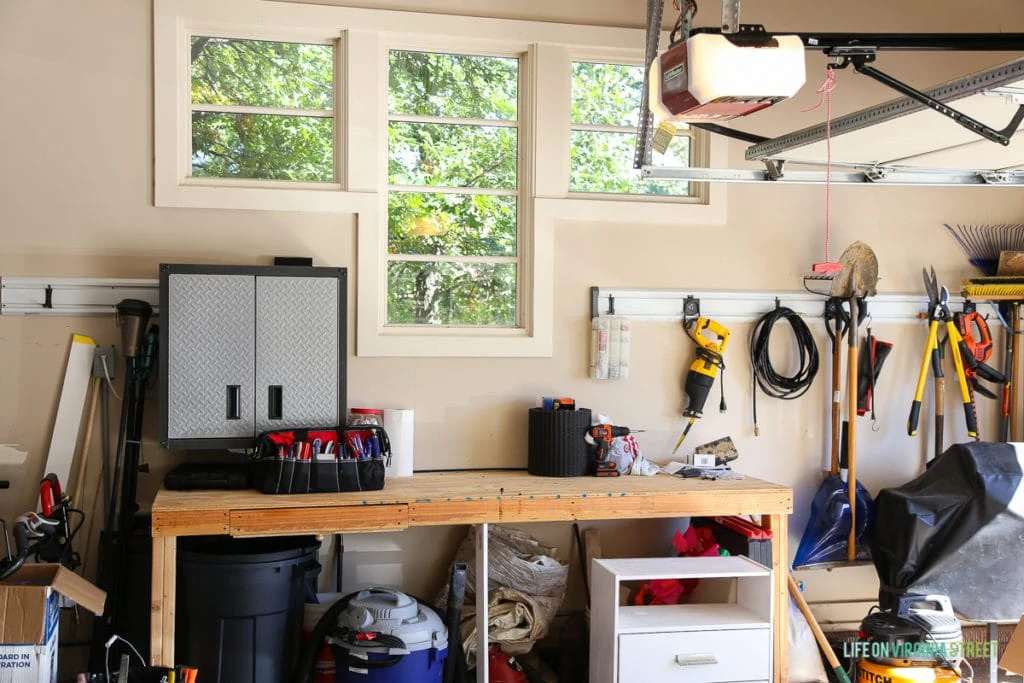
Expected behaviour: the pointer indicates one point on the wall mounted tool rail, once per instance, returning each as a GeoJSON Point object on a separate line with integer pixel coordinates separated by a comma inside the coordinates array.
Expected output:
{"type": "Point", "coordinates": [72, 296]}
{"type": "Point", "coordinates": [657, 305]}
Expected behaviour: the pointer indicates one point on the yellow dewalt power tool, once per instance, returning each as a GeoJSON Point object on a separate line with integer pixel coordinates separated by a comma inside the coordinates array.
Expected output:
{"type": "Point", "coordinates": [703, 370]}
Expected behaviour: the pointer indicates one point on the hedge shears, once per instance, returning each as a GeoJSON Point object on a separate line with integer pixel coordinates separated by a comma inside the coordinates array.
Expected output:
{"type": "Point", "coordinates": [978, 341]}
{"type": "Point", "coordinates": [938, 312]}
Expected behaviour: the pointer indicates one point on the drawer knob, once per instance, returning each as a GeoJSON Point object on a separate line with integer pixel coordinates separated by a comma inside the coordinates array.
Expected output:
{"type": "Point", "coordinates": [696, 660]}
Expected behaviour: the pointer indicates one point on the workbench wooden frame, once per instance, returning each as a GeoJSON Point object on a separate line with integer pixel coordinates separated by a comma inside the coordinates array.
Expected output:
{"type": "Point", "coordinates": [459, 498]}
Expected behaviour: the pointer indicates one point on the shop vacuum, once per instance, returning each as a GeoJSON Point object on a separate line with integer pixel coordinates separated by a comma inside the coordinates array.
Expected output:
{"type": "Point", "coordinates": [919, 641]}
{"type": "Point", "coordinates": [386, 636]}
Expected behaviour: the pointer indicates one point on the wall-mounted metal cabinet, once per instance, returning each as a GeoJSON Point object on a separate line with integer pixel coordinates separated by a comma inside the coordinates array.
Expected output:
{"type": "Point", "coordinates": [247, 349]}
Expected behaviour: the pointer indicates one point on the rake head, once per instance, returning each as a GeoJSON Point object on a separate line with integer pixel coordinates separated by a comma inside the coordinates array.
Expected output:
{"type": "Point", "coordinates": [984, 243]}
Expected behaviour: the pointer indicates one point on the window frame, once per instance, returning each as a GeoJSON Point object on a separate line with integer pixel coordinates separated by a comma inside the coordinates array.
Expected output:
{"type": "Point", "coordinates": [363, 38]}
{"type": "Point", "coordinates": [523, 161]}
{"type": "Point", "coordinates": [338, 157]}
{"type": "Point", "coordinates": [532, 336]}
{"type": "Point", "coordinates": [699, 148]}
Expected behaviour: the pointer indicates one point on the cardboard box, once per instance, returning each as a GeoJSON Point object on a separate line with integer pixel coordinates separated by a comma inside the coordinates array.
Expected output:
{"type": "Point", "coordinates": [1013, 657]}
{"type": "Point", "coordinates": [29, 619]}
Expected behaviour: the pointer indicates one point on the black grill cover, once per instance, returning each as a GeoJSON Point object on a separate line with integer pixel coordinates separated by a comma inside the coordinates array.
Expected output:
{"type": "Point", "coordinates": [956, 530]}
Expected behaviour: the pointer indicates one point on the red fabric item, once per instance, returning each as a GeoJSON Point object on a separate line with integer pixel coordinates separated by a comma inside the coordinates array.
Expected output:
{"type": "Point", "coordinates": [690, 543]}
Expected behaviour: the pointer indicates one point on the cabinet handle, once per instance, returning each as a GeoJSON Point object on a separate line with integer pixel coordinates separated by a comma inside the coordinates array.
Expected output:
{"type": "Point", "coordinates": [275, 402]}
{"type": "Point", "coordinates": [696, 660]}
{"type": "Point", "coordinates": [234, 402]}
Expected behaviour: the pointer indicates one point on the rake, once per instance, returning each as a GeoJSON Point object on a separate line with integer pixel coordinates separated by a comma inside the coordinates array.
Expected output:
{"type": "Point", "coordinates": [983, 243]}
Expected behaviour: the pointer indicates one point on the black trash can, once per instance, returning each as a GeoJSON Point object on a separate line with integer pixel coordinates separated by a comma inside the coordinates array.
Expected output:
{"type": "Point", "coordinates": [239, 606]}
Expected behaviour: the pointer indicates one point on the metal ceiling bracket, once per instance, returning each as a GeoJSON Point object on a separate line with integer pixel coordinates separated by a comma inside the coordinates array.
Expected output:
{"type": "Point", "coordinates": [876, 175]}
{"type": "Point", "coordinates": [996, 178]}
{"type": "Point", "coordinates": [642, 150]}
{"type": "Point", "coordinates": [1001, 136]}
{"type": "Point", "coordinates": [730, 16]}
{"type": "Point", "coordinates": [773, 167]}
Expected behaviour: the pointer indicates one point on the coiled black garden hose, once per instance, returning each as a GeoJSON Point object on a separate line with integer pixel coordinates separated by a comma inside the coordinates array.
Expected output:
{"type": "Point", "coordinates": [765, 375]}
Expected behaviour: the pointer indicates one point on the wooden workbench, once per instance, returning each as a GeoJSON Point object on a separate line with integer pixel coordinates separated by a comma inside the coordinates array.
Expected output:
{"type": "Point", "coordinates": [466, 497]}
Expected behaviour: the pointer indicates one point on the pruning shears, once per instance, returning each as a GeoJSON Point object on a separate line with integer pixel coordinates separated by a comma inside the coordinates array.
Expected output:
{"type": "Point", "coordinates": [938, 312]}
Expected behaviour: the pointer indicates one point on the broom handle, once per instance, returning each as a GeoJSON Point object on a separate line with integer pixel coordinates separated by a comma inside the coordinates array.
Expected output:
{"type": "Point", "coordinates": [1015, 370]}
{"type": "Point", "coordinates": [819, 635]}
{"type": "Point", "coordinates": [851, 549]}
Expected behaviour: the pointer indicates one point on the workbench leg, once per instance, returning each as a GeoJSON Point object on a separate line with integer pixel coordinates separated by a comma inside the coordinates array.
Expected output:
{"type": "Point", "coordinates": [161, 620]}
{"type": "Point", "coordinates": [779, 525]}
{"type": "Point", "coordinates": [482, 618]}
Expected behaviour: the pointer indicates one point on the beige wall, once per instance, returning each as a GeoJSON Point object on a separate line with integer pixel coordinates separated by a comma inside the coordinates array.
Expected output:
{"type": "Point", "coordinates": [77, 201]}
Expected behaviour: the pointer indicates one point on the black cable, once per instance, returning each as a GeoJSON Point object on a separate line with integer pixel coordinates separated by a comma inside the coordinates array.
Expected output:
{"type": "Point", "coordinates": [765, 376]}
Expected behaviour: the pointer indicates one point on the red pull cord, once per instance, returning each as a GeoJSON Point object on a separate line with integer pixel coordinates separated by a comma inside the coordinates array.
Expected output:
{"type": "Point", "coordinates": [825, 97]}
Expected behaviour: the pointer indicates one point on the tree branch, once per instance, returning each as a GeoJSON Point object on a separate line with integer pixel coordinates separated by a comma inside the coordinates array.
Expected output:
{"type": "Point", "coordinates": [197, 48]}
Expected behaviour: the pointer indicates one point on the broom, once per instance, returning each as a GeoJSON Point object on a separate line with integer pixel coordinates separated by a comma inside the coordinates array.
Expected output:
{"type": "Point", "coordinates": [983, 243]}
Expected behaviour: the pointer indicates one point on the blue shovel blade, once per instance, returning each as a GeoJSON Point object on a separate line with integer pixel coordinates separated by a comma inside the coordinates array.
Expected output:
{"type": "Point", "coordinates": [825, 539]}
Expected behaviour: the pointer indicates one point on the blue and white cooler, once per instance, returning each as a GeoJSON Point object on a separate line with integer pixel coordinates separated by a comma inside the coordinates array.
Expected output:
{"type": "Point", "coordinates": [386, 636]}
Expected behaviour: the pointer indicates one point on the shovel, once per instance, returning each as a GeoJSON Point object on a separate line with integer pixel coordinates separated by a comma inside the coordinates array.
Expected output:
{"type": "Point", "coordinates": [840, 511]}
{"type": "Point", "coordinates": [856, 280]}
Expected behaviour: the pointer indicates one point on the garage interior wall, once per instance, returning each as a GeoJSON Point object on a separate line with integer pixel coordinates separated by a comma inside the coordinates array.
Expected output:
{"type": "Point", "coordinates": [77, 179]}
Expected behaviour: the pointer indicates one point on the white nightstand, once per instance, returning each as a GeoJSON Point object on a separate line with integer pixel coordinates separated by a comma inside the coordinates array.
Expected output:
{"type": "Point", "coordinates": [699, 642]}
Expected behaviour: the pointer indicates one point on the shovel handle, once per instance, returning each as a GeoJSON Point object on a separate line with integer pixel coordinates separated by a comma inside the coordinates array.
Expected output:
{"type": "Point", "coordinates": [837, 390]}
{"type": "Point", "coordinates": [819, 635]}
{"type": "Point", "coordinates": [851, 470]}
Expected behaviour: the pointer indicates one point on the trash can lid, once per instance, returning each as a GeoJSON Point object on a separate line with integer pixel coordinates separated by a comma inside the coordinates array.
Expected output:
{"type": "Point", "coordinates": [228, 550]}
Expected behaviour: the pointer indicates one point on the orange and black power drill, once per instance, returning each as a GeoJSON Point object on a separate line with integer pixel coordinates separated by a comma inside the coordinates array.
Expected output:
{"type": "Point", "coordinates": [603, 435]}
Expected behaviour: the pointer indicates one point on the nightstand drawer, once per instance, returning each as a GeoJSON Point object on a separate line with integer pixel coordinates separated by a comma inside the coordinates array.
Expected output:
{"type": "Point", "coordinates": [695, 656]}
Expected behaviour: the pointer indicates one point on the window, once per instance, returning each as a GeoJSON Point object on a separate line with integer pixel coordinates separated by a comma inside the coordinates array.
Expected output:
{"type": "Point", "coordinates": [453, 245]}
{"type": "Point", "coordinates": [605, 112]}
{"type": "Point", "coordinates": [443, 141]}
{"type": "Point", "coordinates": [262, 109]}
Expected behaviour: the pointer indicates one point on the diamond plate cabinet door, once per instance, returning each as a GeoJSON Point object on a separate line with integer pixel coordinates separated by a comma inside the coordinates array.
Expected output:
{"type": "Point", "coordinates": [296, 352]}
{"type": "Point", "coordinates": [210, 357]}
{"type": "Point", "coordinates": [248, 349]}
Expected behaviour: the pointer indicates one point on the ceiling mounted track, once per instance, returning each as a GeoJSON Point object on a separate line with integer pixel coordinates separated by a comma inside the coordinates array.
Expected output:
{"type": "Point", "coordinates": [860, 50]}
{"type": "Point", "coordinates": [976, 84]}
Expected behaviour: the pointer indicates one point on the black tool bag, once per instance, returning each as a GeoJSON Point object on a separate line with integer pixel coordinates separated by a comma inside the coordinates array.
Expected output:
{"type": "Point", "coordinates": [292, 460]}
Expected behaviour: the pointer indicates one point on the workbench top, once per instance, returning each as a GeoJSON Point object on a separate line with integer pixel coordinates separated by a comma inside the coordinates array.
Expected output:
{"type": "Point", "coordinates": [462, 497]}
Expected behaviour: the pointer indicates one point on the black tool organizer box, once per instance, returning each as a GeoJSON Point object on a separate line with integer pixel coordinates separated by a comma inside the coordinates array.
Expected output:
{"type": "Point", "coordinates": [277, 469]}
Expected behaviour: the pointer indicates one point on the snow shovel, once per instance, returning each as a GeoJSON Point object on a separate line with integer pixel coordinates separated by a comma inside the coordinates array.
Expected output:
{"type": "Point", "coordinates": [834, 525]}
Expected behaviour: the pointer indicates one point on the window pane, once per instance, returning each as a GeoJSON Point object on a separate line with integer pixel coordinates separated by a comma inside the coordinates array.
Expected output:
{"type": "Point", "coordinates": [451, 224]}
{"type": "Point", "coordinates": [603, 162]}
{"type": "Point", "coordinates": [437, 293]}
{"type": "Point", "coordinates": [262, 73]}
{"type": "Point", "coordinates": [452, 155]}
{"type": "Point", "coordinates": [262, 146]}
{"type": "Point", "coordinates": [461, 86]}
{"type": "Point", "coordinates": [606, 94]}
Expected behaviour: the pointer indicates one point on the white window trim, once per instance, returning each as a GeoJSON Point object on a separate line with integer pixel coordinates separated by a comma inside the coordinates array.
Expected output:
{"type": "Point", "coordinates": [362, 38]}
{"type": "Point", "coordinates": [699, 140]}
{"type": "Point", "coordinates": [554, 114]}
